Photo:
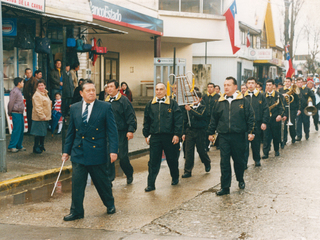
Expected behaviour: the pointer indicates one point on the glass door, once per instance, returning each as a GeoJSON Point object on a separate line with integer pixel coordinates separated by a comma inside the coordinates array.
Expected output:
{"type": "Point", "coordinates": [111, 66]}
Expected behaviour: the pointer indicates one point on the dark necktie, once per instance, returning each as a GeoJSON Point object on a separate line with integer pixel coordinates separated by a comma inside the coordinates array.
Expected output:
{"type": "Point", "coordinates": [251, 92]}
{"type": "Point", "coordinates": [161, 100]}
{"type": "Point", "coordinates": [112, 98]}
{"type": "Point", "coordinates": [229, 97]}
{"type": "Point", "coordinates": [85, 114]}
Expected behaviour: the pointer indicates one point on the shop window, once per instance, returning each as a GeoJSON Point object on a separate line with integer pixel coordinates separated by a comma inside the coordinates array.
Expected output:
{"type": "Point", "coordinates": [55, 33]}
{"type": "Point", "coordinates": [212, 6]}
{"type": "Point", "coordinates": [190, 6]}
{"type": "Point", "coordinates": [169, 5]}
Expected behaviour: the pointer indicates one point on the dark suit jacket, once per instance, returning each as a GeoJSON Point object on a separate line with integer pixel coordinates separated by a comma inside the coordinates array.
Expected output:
{"type": "Point", "coordinates": [87, 144]}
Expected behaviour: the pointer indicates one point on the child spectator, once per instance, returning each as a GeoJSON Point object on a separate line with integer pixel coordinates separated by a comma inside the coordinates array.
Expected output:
{"type": "Point", "coordinates": [57, 107]}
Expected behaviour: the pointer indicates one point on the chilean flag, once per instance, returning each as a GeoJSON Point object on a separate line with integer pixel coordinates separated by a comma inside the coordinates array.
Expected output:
{"type": "Point", "coordinates": [248, 39]}
{"type": "Point", "coordinates": [230, 18]}
{"type": "Point", "coordinates": [290, 70]}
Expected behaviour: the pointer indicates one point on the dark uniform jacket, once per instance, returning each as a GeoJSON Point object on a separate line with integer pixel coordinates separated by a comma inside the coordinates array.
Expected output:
{"type": "Point", "coordinates": [124, 114]}
{"type": "Point", "coordinates": [162, 118]}
{"type": "Point", "coordinates": [198, 118]}
{"type": "Point", "coordinates": [29, 88]}
{"type": "Point", "coordinates": [296, 104]}
{"type": "Point", "coordinates": [237, 117]}
{"type": "Point", "coordinates": [259, 104]}
{"type": "Point", "coordinates": [87, 144]}
{"type": "Point", "coordinates": [278, 109]}
{"type": "Point", "coordinates": [55, 79]}
{"type": "Point", "coordinates": [209, 100]}
{"type": "Point", "coordinates": [305, 93]}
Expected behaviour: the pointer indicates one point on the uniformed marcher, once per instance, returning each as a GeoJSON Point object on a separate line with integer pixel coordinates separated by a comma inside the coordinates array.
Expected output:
{"type": "Point", "coordinates": [91, 125]}
{"type": "Point", "coordinates": [259, 104]}
{"type": "Point", "coordinates": [126, 121]}
{"type": "Point", "coordinates": [276, 111]}
{"type": "Point", "coordinates": [295, 109]}
{"type": "Point", "coordinates": [232, 116]}
{"type": "Point", "coordinates": [305, 94]}
{"type": "Point", "coordinates": [209, 100]}
{"type": "Point", "coordinates": [162, 128]}
{"type": "Point", "coordinates": [315, 90]}
{"type": "Point", "coordinates": [194, 134]}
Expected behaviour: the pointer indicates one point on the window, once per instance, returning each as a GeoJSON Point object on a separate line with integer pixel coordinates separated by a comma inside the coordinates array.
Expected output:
{"type": "Point", "coordinates": [169, 5]}
{"type": "Point", "coordinates": [190, 6]}
{"type": "Point", "coordinates": [193, 6]}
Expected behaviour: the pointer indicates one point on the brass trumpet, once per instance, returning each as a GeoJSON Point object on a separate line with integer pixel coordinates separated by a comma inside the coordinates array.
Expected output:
{"type": "Point", "coordinates": [310, 110]}
{"type": "Point", "coordinates": [273, 106]}
{"type": "Point", "coordinates": [289, 99]}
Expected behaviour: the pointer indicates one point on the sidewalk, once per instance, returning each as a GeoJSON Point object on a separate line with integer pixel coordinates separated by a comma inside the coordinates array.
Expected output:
{"type": "Point", "coordinates": [25, 163]}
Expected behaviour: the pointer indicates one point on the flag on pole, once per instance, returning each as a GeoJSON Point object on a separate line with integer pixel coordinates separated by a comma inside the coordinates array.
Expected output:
{"type": "Point", "coordinates": [230, 15]}
{"type": "Point", "coordinates": [248, 39]}
{"type": "Point", "coordinates": [290, 70]}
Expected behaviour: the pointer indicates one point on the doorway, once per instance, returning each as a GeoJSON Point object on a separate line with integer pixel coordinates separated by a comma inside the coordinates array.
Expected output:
{"type": "Point", "coordinates": [111, 66]}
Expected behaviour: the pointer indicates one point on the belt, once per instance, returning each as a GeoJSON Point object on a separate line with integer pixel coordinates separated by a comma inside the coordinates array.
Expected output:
{"type": "Point", "coordinates": [16, 111]}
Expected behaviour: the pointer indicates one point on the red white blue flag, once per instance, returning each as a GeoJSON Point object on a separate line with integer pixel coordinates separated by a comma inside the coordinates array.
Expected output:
{"type": "Point", "coordinates": [290, 70]}
{"type": "Point", "coordinates": [248, 39]}
{"type": "Point", "coordinates": [230, 15]}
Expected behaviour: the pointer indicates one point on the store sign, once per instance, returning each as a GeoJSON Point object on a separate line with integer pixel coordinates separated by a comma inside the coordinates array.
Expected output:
{"type": "Point", "coordinates": [9, 27]}
{"type": "Point", "coordinates": [36, 5]}
{"type": "Point", "coordinates": [261, 54]}
{"type": "Point", "coordinates": [115, 14]}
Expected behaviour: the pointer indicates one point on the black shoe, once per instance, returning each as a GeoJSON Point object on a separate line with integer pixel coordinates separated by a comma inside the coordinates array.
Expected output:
{"type": "Point", "coordinates": [298, 139]}
{"type": "Point", "coordinates": [175, 181]}
{"type": "Point", "coordinates": [265, 156]}
{"type": "Point", "coordinates": [111, 210]}
{"type": "Point", "coordinates": [72, 217]}
{"type": "Point", "coordinates": [42, 148]}
{"type": "Point", "coordinates": [258, 164]}
{"type": "Point", "coordinates": [223, 191]}
{"type": "Point", "coordinates": [317, 128]}
{"type": "Point", "coordinates": [149, 189]}
{"type": "Point", "coordinates": [242, 185]}
{"type": "Point", "coordinates": [277, 154]}
{"type": "Point", "coordinates": [37, 150]}
{"type": "Point", "coordinates": [282, 145]}
{"type": "Point", "coordinates": [129, 180]}
{"type": "Point", "coordinates": [207, 168]}
{"type": "Point", "coordinates": [307, 136]}
{"type": "Point", "coordinates": [293, 141]}
{"type": "Point", "coordinates": [186, 175]}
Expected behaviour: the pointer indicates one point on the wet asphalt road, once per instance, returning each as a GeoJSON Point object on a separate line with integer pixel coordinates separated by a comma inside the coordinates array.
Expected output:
{"type": "Point", "coordinates": [281, 201]}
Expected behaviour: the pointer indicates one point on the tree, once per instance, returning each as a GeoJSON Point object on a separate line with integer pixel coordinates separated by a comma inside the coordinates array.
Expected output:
{"type": "Point", "coordinates": [312, 34]}
{"type": "Point", "coordinates": [292, 9]}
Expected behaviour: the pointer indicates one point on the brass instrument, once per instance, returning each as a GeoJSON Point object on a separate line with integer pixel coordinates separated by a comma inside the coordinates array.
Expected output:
{"type": "Point", "coordinates": [310, 110]}
{"type": "Point", "coordinates": [273, 106]}
{"type": "Point", "coordinates": [288, 95]}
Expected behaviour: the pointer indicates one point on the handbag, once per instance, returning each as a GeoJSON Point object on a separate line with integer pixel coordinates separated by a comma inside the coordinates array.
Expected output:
{"type": "Point", "coordinates": [42, 45]}
{"type": "Point", "coordinates": [98, 49]}
{"type": "Point", "coordinates": [71, 42]}
{"type": "Point", "coordinates": [79, 44]}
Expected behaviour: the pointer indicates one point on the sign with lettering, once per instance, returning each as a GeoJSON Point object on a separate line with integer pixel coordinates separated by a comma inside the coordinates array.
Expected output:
{"type": "Point", "coordinates": [115, 14]}
{"type": "Point", "coordinates": [261, 54]}
{"type": "Point", "coordinates": [9, 27]}
{"type": "Point", "coordinates": [36, 5]}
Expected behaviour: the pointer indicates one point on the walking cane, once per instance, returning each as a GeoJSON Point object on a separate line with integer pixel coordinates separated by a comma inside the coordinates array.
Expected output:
{"type": "Point", "coordinates": [55, 185]}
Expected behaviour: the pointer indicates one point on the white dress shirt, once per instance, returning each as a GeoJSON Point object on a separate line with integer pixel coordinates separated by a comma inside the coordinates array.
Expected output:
{"type": "Point", "coordinates": [84, 104]}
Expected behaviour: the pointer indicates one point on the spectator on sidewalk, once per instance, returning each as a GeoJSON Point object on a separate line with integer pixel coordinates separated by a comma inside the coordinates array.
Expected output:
{"type": "Point", "coordinates": [74, 69]}
{"type": "Point", "coordinates": [15, 110]}
{"type": "Point", "coordinates": [67, 91]}
{"type": "Point", "coordinates": [76, 94]}
{"type": "Point", "coordinates": [41, 114]}
{"type": "Point", "coordinates": [30, 86]}
{"type": "Point", "coordinates": [56, 79]}
{"type": "Point", "coordinates": [38, 76]}
{"type": "Point", "coordinates": [103, 94]}
{"type": "Point", "coordinates": [57, 107]}
{"type": "Point", "coordinates": [125, 91]}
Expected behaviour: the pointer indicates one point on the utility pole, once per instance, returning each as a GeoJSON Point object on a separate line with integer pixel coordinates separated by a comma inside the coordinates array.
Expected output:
{"type": "Point", "coordinates": [3, 147]}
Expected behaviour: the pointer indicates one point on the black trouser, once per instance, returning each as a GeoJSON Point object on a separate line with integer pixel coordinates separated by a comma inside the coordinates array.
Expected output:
{"type": "Point", "coordinates": [292, 129]}
{"type": "Point", "coordinates": [29, 114]}
{"type": "Point", "coordinates": [273, 132]}
{"type": "Point", "coordinates": [232, 144]}
{"type": "Point", "coordinates": [316, 119]}
{"type": "Point", "coordinates": [305, 120]}
{"type": "Point", "coordinates": [159, 142]}
{"type": "Point", "coordinates": [255, 145]}
{"type": "Point", "coordinates": [99, 176]}
{"type": "Point", "coordinates": [195, 137]}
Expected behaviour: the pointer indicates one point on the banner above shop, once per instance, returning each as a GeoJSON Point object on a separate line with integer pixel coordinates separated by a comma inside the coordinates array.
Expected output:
{"type": "Point", "coordinates": [9, 27]}
{"type": "Point", "coordinates": [36, 5]}
{"type": "Point", "coordinates": [115, 14]}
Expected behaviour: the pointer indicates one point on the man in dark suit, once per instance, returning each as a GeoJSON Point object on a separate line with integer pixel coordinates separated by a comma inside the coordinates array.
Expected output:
{"type": "Point", "coordinates": [91, 126]}
{"type": "Point", "coordinates": [232, 116]}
